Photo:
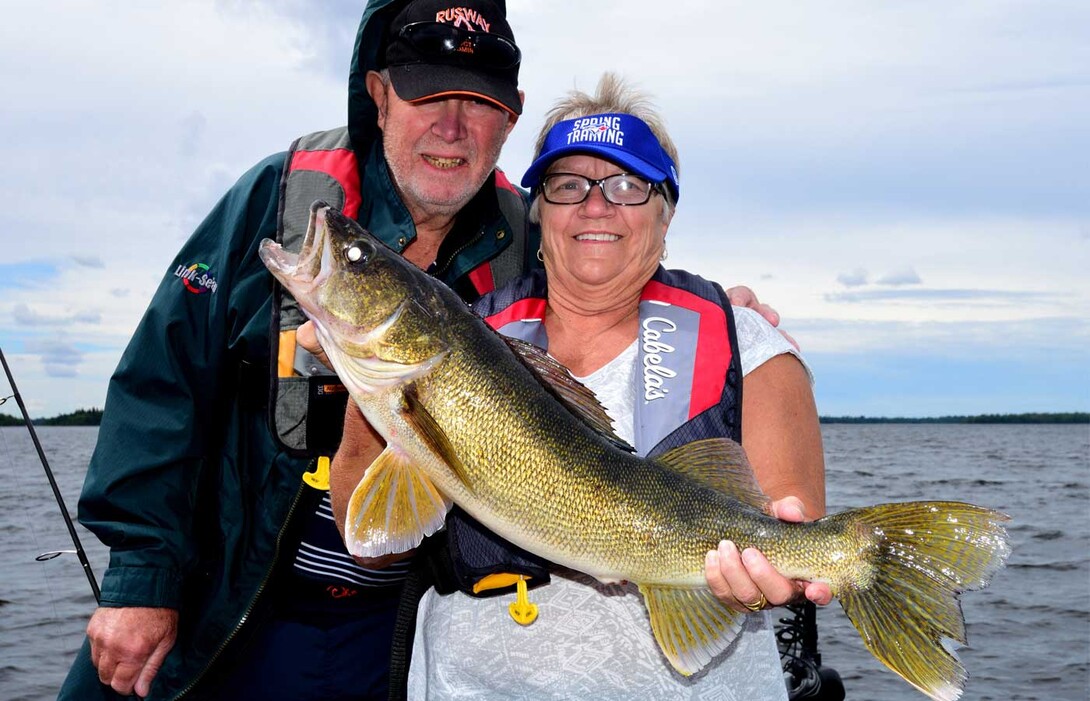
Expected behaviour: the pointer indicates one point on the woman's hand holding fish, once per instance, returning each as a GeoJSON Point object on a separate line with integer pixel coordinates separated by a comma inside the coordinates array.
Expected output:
{"type": "Point", "coordinates": [741, 578]}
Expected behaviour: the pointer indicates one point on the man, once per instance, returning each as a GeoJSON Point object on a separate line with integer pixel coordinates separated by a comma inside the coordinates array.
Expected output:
{"type": "Point", "coordinates": [209, 483]}
{"type": "Point", "coordinates": [218, 578]}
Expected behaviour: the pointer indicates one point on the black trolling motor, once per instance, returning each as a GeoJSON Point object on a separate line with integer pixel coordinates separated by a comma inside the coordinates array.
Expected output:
{"type": "Point", "coordinates": [796, 638]}
{"type": "Point", "coordinates": [80, 552]}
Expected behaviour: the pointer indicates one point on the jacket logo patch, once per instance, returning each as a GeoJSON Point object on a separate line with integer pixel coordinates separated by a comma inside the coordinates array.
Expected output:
{"type": "Point", "coordinates": [655, 373]}
{"type": "Point", "coordinates": [196, 278]}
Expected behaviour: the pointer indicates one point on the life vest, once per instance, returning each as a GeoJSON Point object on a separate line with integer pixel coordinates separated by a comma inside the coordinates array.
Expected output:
{"type": "Point", "coordinates": [690, 387]}
{"type": "Point", "coordinates": [689, 367]}
{"type": "Point", "coordinates": [688, 339]}
{"type": "Point", "coordinates": [307, 400]}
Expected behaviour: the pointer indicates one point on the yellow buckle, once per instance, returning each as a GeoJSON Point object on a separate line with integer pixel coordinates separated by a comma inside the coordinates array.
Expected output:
{"type": "Point", "coordinates": [319, 479]}
{"type": "Point", "coordinates": [522, 611]}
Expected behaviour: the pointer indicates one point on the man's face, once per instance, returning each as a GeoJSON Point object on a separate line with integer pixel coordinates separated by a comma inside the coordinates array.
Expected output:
{"type": "Point", "coordinates": [439, 152]}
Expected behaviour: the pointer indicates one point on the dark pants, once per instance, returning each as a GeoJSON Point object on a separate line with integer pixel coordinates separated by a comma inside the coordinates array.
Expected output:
{"type": "Point", "coordinates": [315, 646]}
{"type": "Point", "coordinates": [297, 659]}
{"type": "Point", "coordinates": [307, 649]}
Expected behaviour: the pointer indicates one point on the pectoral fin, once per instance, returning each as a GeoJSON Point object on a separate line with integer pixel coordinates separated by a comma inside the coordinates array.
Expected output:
{"type": "Point", "coordinates": [690, 625]}
{"type": "Point", "coordinates": [394, 506]}
{"type": "Point", "coordinates": [418, 416]}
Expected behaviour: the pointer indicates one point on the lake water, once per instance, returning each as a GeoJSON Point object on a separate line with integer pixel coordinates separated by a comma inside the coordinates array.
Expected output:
{"type": "Point", "coordinates": [1029, 632]}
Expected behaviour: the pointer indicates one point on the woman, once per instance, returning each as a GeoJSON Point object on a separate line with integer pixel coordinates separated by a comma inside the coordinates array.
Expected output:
{"type": "Point", "coordinates": [605, 186]}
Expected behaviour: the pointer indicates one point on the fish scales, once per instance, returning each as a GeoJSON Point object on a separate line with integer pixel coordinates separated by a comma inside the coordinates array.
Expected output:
{"type": "Point", "coordinates": [527, 454]}
{"type": "Point", "coordinates": [547, 456]}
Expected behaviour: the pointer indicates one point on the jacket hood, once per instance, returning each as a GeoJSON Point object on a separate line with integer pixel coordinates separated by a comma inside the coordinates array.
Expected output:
{"type": "Point", "coordinates": [362, 112]}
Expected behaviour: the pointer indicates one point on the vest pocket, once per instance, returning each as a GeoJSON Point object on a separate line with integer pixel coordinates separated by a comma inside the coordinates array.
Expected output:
{"type": "Point", "coordinates": [326, 401]}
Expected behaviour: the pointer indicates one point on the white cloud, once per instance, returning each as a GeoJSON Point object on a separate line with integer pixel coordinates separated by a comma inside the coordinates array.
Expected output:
{"type": "Point", "coordinates": [1039, 339]}
{"type": "Point", "coordinates": [88, 261]}
{"type": "Point", "coordinates": [855, 278]}
{"type": "Point", "coordinates": [1037, 264]}
{"type": "Point", "coordinates": [193, 128]}
{"type": "Point", "coordinates": [856, 163]}
{"type": "Point", "coordinates": [896, 278]}
{"type": "Point", "coordinates": [931, 297]}
{"type": "Point", "coordinates": [59, 357]}
{"type": "Point", "coordinates": [25, 316]}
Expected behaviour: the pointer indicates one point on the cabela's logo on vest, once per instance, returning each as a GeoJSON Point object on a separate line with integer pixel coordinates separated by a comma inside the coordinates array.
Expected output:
{"type": "Point", "coordinates": [597, 130]}
{"type": "Point", "coordinates": [196, 278]}
{"type": "Point", "coordinates": [655, 374]}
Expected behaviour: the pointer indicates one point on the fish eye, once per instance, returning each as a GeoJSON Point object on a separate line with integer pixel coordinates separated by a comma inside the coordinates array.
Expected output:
{"type": "Point", "coordinates": [358, 252]}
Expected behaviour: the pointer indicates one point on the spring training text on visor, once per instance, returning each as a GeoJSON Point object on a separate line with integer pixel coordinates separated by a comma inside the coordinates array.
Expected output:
{"type": "Point", "coordinates": [597, 129]}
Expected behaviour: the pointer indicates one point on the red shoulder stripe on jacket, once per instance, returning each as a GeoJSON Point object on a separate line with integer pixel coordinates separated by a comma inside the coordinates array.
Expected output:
{"type": "Point", "coordinates": [503, 183]}
{"type": "Point", "coordinates": [482, 278]}
{"type": "Point", "coordinates": [530, 308]}
{"type": "Point", "coordinates": [340, 164]}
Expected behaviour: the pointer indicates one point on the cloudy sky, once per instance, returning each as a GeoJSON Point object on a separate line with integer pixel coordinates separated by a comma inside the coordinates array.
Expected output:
{"type": "Point", "coordinates": [908, 183]}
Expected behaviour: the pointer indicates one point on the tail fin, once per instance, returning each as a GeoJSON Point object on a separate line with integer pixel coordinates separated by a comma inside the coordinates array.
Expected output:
{"type": "Point", "coordinates": [926, 554]}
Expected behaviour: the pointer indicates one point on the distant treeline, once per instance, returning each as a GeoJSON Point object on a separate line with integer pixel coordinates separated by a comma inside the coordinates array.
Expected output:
{"type": "Point", "coordinates": [1069, 417]}
{"type": "Point", "coordinates": [93, 417]}
{"type": "Point", "coordinates": [81, 417]}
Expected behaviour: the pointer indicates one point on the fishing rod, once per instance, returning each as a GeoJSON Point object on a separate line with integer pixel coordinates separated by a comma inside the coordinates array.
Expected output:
{"type": "Point", "coordinates": [80, 552]}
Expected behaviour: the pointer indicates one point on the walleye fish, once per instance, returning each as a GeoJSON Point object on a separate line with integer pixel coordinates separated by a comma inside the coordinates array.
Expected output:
{"type": "Point", "coordinates": [502, 430]}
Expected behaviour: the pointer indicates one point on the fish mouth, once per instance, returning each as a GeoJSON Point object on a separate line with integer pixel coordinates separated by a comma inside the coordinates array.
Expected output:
{"type": "Point", "coordinates": [303, 271]}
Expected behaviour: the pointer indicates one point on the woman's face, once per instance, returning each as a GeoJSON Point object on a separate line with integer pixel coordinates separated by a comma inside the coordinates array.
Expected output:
{"type": "Point", "coordinates": [596, 243]}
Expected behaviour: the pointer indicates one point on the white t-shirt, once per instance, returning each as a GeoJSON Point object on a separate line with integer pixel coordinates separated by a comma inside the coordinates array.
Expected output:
{"type": "Point", "coordinates": [590, 640]}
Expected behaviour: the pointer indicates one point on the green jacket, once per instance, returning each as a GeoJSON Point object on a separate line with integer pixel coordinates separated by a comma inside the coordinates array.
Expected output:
{"type": "Point", "coordinates": [188, 486]}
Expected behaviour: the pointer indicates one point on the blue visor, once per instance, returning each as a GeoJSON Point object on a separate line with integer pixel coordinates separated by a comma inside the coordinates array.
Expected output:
{"type": "Point", "coordinates": [619, 138]}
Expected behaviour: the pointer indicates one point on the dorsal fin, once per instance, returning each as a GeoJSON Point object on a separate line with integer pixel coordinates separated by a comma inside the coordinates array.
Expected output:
{"type": "Point", "coordinates": [573, 394]}
{"type": "Point", "coordinates": [721, 464]}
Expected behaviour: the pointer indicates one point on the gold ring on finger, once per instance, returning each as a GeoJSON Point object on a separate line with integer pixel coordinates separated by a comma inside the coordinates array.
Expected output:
{"type": "Point", "coordinates": [756, 605]}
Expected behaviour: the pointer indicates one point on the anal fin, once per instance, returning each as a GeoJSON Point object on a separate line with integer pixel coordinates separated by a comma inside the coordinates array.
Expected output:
{"type": "Point", "coordinates": [691, 626]}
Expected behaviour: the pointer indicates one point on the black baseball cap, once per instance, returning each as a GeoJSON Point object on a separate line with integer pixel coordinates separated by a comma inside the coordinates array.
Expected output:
{"type": "Point", "coordinates": [437, 48]}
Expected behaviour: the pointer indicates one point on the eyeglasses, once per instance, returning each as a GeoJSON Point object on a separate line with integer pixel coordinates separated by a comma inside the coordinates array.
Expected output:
{"type": "Point", "coordinates": [438, 40]}
{"type": "Point", "coordinates": [622, 189]}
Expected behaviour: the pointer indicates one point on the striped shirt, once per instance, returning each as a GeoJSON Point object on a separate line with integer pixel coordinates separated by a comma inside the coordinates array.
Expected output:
{"type": "Point", "coordinates": [323, 557]}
